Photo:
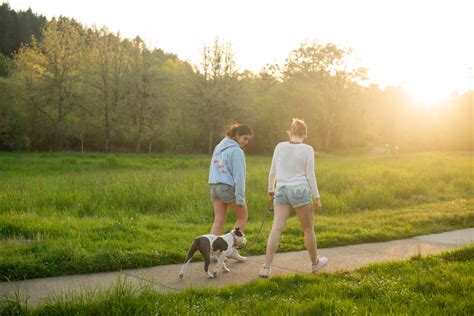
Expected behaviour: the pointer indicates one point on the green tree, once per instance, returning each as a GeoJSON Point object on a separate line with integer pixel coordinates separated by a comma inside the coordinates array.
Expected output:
{"type": "Point", "coordinates": [216, 91]}
{"type": "Point", "coordinates": [167, 125]}
{"type": "Point", "coordinates": [50, 71]}
{"type": "Point", "coordinates": [142, 99]}
{"type": "Point", "coordinates": [12, 126]}
{"type": "Point", "coordinates": [106, 67]}
{"type": "Point", "coordinates": [321, 86]}
{"type": "Point", "coordinates": [17, 29]}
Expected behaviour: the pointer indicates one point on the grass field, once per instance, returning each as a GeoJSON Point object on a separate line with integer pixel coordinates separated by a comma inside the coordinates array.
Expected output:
{"type": "Point", "coordinates": [436, 285]}
{"type": "Point", "coordinates": [75, 213]}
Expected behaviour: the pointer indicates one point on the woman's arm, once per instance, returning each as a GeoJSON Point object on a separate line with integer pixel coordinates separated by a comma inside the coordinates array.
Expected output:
{"type": "Point", "coordinates": [272, 173]}
{"type": "Point", "coordinates": [238, 172]}
{"type": "Point", "coordinates": [310, 173]}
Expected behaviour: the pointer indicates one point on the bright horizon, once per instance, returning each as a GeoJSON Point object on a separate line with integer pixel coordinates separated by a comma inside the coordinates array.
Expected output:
{"type": "Point", "coordinates": [424, 46]}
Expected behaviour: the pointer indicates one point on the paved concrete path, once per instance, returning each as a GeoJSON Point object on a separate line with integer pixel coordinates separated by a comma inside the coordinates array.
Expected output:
{"type": "Point", "coordinates": [165, 278]}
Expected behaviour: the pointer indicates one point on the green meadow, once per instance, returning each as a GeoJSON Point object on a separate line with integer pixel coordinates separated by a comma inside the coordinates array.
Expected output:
{"type": "Point", "coordinates": [76, 213]}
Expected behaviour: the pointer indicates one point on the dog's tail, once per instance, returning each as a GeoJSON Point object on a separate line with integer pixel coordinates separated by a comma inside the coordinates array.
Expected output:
{"type": "Point", "coordinates": [194, 247]}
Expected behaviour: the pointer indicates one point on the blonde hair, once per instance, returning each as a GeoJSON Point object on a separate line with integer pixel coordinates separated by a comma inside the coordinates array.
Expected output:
{"type": "Point", "coordinates": [298, 127]}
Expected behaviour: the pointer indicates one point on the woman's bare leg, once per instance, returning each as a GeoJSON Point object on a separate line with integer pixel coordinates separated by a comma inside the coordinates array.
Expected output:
{"type": "Point", "coordinates": [241, 215]}
{"type": "Point", "coordinates": [280, 215]}
{"type": "Point", "coordinates": [306, 215]}
{"type": "Point", "coordinates": [220, 215]}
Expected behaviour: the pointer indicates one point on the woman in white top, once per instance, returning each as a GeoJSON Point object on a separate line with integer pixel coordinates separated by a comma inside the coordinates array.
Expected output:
{"type": "Point", "coordinates": [293, 173]}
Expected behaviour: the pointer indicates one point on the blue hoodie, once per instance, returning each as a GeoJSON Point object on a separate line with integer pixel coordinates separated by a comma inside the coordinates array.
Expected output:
{"type": "Point", "coordinates": [228, 167]}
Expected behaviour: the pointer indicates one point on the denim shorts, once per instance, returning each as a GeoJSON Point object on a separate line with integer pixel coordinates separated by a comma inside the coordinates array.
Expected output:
{"type": "Point", "coordinates": [223, 192]}
{"type": "Point", "coordinates": [294, 195]}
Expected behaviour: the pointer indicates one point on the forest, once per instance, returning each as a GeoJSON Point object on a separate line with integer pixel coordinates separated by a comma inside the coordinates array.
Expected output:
{"type": "Point", "coordinates": [68, 87]}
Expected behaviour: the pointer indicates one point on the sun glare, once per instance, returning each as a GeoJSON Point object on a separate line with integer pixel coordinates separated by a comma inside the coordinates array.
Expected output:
{"type": "Point", "coordinates": [429, 88]}
{"type": "Point", "coordinates": [427, 93]}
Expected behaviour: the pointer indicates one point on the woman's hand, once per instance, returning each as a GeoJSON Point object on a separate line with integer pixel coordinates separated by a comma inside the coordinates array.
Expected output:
{"type": "Point", "coordinates": [317, 205]}
{"type": "Point", "coordinates": [271, 195]}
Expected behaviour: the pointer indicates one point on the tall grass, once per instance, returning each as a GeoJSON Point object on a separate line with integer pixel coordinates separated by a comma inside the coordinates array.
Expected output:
{"type": "Point", "coordinates": [74, 213]}
{"type": "Point", "coordinates": [111, 185]}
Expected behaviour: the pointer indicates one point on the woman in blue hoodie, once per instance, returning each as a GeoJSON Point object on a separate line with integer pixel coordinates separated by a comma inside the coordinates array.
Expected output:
{"type": "Point", "coordinates": [227, 179]}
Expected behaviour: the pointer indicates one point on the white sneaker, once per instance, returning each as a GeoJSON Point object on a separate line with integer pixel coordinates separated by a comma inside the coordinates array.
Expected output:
{"type": "Point", "coordinates": [235, 255]}
{"type": "Point", "coordinates": [319, 265]}
{"type": "Point", "coordinates": [265, 272]}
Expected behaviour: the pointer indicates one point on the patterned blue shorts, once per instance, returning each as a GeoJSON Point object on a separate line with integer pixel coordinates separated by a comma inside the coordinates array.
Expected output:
{"type": "Point", "coordinates": [223, 192]}
{"type": "Point", "coordinates": [294, 195]}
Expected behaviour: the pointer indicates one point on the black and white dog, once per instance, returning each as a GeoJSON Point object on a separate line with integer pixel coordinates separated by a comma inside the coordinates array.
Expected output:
{"type": "Point", "coordinates": [220, 246]}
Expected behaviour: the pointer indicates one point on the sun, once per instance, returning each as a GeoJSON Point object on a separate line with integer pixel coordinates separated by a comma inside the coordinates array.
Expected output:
{"type": "Point", "coordinates": [426, 95]}
{"type": "Point", "coordinates": [427, 91]}
{"type": "Point", "coordinates": [430, 86]}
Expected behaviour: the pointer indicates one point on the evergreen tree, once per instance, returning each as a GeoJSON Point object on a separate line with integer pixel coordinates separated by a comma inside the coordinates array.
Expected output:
{"type": "Point", "coordinates": [17, 29]}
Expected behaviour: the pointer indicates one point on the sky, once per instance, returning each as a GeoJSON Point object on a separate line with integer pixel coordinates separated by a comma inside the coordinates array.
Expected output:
{"type": "Point", "coordinates": [426, 47]}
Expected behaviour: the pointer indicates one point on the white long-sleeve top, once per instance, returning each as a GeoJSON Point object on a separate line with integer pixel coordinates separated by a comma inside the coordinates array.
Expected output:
{"type": "Point", "coordinates": [293, 164]}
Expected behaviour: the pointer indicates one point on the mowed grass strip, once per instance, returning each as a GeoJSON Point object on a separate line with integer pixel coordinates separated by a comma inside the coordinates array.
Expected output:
{"type": "Point", "coordinates": [71, 213]}
{"type": "Point", "coordinates": [434, 285]}
{"type": "Point", "coordinates": [38, 246]}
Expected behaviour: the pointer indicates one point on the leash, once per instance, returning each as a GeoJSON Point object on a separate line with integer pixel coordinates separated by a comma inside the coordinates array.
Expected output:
{"type": "Point", "coordinates": [265, 215]}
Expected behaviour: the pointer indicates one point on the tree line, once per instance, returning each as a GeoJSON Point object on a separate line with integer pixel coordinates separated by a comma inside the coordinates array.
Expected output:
{"type": "Point", "coordinates": [17, 28]}
{"type": "Point", "coordinates": [75, 88]}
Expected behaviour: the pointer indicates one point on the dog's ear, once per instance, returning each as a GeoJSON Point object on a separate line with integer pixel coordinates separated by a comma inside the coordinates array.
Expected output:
{"type": "Point", "coordinates": [238, 232]}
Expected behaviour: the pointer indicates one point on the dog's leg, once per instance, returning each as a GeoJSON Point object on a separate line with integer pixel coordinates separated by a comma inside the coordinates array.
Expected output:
{"type": "Point", "coordinates": [194, 247]}
{"type": "Point", "coordinates": [220, 262]}
{"type": "Point", "coordinates": [205, 250]}
{"type": "Point", "coordinates": [207, 261]}
{"type": "Point", "coordinates": [210, 274]}
{"type": "Point", "coordinates": [224, 267]}
{"type": "Point", "coordinates": [183, 268]}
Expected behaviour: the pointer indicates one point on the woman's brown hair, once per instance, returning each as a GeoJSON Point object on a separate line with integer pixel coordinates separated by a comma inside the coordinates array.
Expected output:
{"type": "Point", "coordinates": [238, 129]}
